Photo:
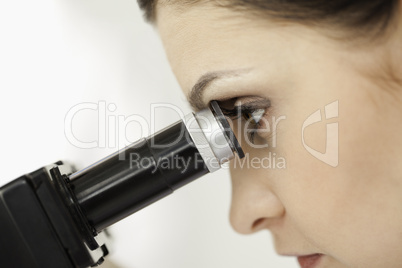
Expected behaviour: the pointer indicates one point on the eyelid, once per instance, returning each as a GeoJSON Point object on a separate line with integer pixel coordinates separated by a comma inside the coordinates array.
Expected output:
{"type": "Point", "coordinates": [248, 104]}
{"type": "Point", "coordinates": [253, 102]}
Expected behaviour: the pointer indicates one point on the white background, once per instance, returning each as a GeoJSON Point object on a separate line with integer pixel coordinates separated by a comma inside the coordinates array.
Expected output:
{"type": "Point", "coordinates": [55, 54]}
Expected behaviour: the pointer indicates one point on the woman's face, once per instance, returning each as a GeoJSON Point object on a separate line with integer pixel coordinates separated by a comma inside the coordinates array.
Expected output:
{"type": "Point", "coordinates": [329, 185]}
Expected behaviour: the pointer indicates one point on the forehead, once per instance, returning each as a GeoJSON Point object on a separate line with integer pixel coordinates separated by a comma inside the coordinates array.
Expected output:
{"type": "Point", "coordinates": [203, 38]}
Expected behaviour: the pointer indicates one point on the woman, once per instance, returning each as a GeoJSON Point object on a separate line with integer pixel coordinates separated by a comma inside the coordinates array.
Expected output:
{"type": "Point", "coordinates": [321, 82]}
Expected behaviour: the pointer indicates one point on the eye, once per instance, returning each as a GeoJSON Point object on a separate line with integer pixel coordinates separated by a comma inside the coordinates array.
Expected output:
{"type": "Point", "coordinates": [254, 115]}
{"type": "Point", "coordinates": [249, 111]}
{"type": "Point", "coordinates": [253, 118]}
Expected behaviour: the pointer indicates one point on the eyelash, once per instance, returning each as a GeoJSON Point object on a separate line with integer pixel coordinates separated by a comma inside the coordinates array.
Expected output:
{"type": "Point", "coordinates": [246, 112]}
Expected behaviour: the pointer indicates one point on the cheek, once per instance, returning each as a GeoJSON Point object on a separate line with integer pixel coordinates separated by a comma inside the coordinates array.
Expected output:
{"type": "Point", "coordinates": [346, 210]}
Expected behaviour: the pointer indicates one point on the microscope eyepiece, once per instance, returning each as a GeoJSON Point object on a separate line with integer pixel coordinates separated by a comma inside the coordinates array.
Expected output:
{"type": "Point", "coordinates": [229, 134]}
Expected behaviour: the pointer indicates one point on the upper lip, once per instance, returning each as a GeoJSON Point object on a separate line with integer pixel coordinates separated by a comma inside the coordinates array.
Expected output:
{"type": "Point", "coordinates": [298, 254]}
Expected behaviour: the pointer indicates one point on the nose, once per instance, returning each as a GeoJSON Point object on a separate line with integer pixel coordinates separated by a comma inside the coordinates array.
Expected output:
{"type": "Point", "coordinates": [254, 205]}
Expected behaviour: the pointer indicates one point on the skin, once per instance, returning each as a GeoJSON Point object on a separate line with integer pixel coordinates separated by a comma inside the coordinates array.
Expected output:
{"type": "Point", "coordinates": [351, 213]}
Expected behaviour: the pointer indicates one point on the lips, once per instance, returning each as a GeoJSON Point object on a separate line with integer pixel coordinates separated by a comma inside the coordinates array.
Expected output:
{"type": "Point", "coordinates": [309, 261]}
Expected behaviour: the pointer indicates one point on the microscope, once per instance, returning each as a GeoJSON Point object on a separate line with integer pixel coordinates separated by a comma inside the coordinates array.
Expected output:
{"type": "Point", "coordinates": [57, 217]}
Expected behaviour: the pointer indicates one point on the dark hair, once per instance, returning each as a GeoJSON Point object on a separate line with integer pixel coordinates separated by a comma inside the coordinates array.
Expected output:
{"type": "Point", "coordinates": [366, 16]}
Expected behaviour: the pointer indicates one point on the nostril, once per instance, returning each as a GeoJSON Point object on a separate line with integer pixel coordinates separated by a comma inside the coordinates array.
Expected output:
{"type": "Point", "coordinates": [257, 224]}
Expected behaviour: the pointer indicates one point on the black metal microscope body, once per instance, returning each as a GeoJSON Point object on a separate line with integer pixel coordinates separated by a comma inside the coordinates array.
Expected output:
{"type": "Point", "coordinates": [56, 217]}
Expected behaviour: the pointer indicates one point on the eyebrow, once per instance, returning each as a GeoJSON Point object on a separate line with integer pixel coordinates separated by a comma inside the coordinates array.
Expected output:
{"type": "Point", "coordinates": [196, 93]}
